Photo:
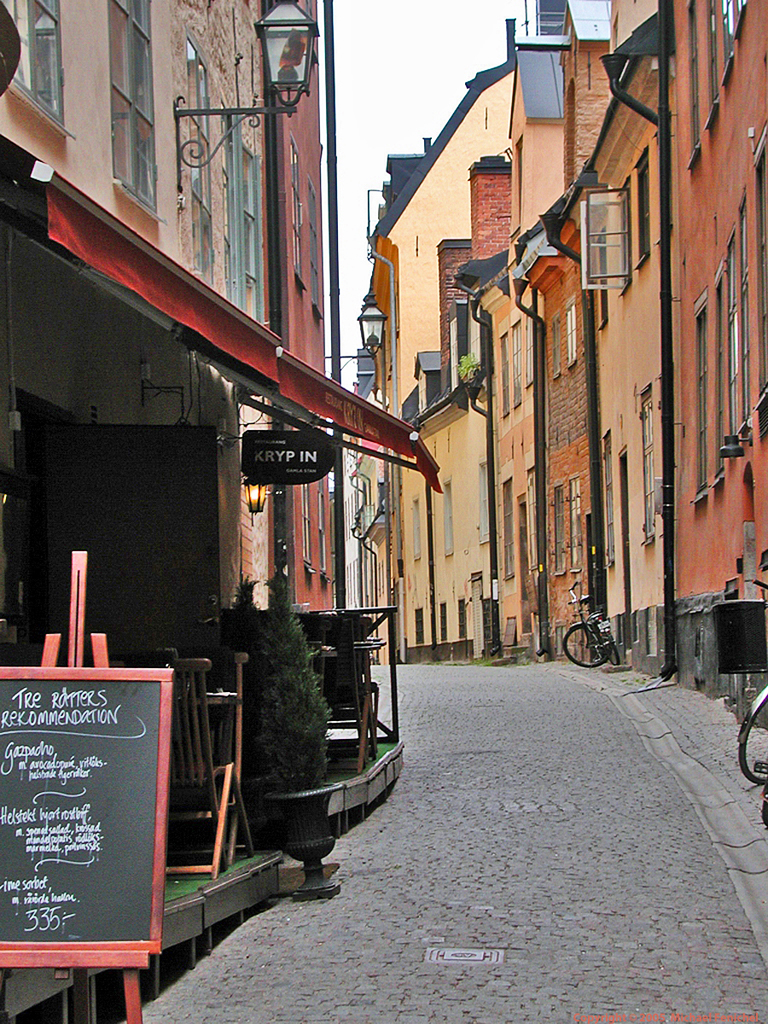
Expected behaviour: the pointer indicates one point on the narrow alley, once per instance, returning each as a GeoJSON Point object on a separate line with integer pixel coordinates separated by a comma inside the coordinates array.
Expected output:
{"type": "Point", "coordinates": [537, 861]}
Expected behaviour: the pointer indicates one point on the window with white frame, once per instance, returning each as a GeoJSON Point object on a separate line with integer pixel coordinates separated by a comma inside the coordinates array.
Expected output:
{"type": "Point", "coordinates": [761, 199]}
{"type": "Point", "coordinates": [39, 72]}
{"type": "Point", "coordinates": [577, 543]}
{"type": "Point", "coordinates": [732, 284]}
{"type": "Point", "coordinates": [448, 517]}
{"type": "Point", "coordinates": [570, 333]}
{"type": "Point", "coordinates": [744, 307]}
{"type": "Point", "coordinates": [244, 235]}
{"type": "Point", "coordinates": [702, 452]}
{"type": "Point", "coordinates": [200, 177]}
{"type": "Point", "coordinates": [416, 518]}
{"type": "Point", "coordinates": [731, 9]}
{"type": "Point", "coordinates": [321, 531]}
{"type": "Point", "coordinates": [483, 490]}
{"type": "Point", "coordinates": [505, 404]}
{"type": "Point", "coordinates": [529, 351]}
{"type": "Point", "coordinates": [643, 209]}
{"type": "Point", "coordinates": [314, 250]}
{"type": "Point", "coordinates": [133, 132]}
{"type": "Point", "coordinates": [517, 365]}
{"type": "Point", "coordinates": [559, 509]}
{"type": "Point", "coordinates": [605, 239]}
{"type": "Point", "coordinates": [508, 504]}
{"type": "Point", "coordinates": [693, 54]}
{"type": "Point", "coordinates": [720, 356]}
{"type": "Point", "coordinates": [533, 549]}
{"type": "Point", "coordinates": [610, 533]}
{"type": "Point", "coordinates": [296, 207]}
{"type": "Point", "coordinates": [306, 519]}
{"type": "Point", "coordinates": [646, 418]}
{"type": "Point", "coordinates": [714, 79]}
{"type": "Point", "coordinates": [556, 345]}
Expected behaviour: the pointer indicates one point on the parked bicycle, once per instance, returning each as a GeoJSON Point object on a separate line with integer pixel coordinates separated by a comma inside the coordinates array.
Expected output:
{"type": "Point", "coordinates": [589, 642]}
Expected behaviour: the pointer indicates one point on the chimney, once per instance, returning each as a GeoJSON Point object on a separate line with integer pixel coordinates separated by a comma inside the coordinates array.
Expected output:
{"type": "Point", "coordinates": [490, 198]}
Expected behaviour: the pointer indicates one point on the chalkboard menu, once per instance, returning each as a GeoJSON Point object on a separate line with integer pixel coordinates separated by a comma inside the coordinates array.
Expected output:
{"type": "Point", "coordinates": [83, 809]}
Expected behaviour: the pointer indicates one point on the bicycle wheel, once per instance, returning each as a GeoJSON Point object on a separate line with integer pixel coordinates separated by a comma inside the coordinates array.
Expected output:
{"type": "Point", "coordinates": [753, 743]}
{"type": "Point", "coordinates": [614, 653]}
{"type": "Point", "coordinates": [580, 647]}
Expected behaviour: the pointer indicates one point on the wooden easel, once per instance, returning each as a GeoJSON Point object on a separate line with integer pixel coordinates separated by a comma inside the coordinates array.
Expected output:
{"type": "Point", "coordinates": [75, 657]}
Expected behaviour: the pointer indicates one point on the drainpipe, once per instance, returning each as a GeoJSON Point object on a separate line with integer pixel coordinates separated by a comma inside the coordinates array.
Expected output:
{"type": "Point", "coordinates": [552, 227]}
{"type": "Point", "coordinates": [397, 473]}
{"type": "Point", "coordinates": [540, 463]}
{"type": "Point", "coordinates": [484, 320]}
{"type": "Point", "coordinates": [614, 67]}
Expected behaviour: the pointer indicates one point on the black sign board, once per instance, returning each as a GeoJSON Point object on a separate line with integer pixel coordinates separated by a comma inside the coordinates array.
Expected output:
{"type": "Point", "coordinates": [83, 803]}
{"type": "Point", "coordinates": [286, 456]}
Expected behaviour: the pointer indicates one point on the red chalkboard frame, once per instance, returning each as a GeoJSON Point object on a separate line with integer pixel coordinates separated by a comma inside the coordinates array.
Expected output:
{"type": "Point", "coordinates": [132, 954]}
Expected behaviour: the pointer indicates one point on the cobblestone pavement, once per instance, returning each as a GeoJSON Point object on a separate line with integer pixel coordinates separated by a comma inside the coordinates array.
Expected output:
{"type": "Point", "coordinates": [531, 818]}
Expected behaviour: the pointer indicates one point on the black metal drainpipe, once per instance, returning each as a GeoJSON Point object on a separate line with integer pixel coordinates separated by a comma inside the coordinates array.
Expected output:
{"type": "Point", "coordinates": [484, 320]}
{"type": "Point", "coordinates": [552, 226]}
{"type": "Point", "coordinates": [664, 135]}
{"type": "Point", "coordinates": [431, 554]}
{"type": "Point", "coordinates": [540, 462]}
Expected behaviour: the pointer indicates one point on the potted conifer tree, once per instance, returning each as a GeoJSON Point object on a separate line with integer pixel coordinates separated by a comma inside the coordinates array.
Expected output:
{"type": "Point", "coordinates": [294, 739]}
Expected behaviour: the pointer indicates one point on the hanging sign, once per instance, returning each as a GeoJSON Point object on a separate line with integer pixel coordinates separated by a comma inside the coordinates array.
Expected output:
{"type": "Point", "coordinates": [286, 456]}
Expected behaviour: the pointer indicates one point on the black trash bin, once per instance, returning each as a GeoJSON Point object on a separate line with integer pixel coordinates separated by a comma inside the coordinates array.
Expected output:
{"type": "Point", "coordinates": [740, 631]}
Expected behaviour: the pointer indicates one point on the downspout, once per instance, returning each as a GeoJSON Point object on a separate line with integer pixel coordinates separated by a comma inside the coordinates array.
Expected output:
{"type": "Point", "coordinates": [431, 556]}
{"type": "Point", "coordinates": [490, 461]}
{"type": "Point", "coordinates": [552, 227]}
{"type": "Point", "coordinates": [614, 67]}
{"type": "Point", "coordinates": [397, 471]}
{"type": "Point", "coordinates": [540, 464]}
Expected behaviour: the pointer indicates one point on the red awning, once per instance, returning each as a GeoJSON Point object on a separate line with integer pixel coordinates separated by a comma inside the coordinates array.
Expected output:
{"type": "Point", "coordinates": [101, 241]}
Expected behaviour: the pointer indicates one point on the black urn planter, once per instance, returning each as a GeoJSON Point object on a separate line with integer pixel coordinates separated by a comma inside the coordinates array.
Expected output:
{"type": "Point", "coordinates": [309, 838]}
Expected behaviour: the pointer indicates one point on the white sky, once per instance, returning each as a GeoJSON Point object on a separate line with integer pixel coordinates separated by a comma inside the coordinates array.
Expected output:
{"type": "Point", "coordinates": [401, 66]}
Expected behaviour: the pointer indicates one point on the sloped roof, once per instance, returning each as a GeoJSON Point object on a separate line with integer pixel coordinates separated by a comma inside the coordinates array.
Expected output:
{"type": "Point", "coordinates": [591, 18]}
{"type": "Point", "coordinates": [476, 274]}
{"type": "Point", "coordinates": [541, 79]}
{"type": "Point", "coordinates": [482, 81]}
{"type": "Point", "coordinates": [427, 362]}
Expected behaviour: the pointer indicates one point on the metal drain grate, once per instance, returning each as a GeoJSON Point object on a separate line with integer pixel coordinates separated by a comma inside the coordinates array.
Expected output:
{"type": "Point", "coordinates": [441, 955]}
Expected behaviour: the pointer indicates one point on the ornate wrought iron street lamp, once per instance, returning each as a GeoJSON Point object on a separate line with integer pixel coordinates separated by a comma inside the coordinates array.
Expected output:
{"type": "Point", "coordinates": [287, 35]}
{"type": "Point", "coordinates": [372, 322]}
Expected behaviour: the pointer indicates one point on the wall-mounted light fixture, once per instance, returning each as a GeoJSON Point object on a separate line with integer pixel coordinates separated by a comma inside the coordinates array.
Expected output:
{"type": "Point", "coordinates": [733, 446]}
{"type": "Point", "coordinates": [287, 35]}
{"type": "Point", "coordinates": [372, 322]}
{"type": "Point", "coordinates": [256, 496]}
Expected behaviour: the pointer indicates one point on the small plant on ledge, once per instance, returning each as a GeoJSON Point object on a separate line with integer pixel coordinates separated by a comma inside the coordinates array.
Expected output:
{"type": "Point", "coordinates": [469, 367]}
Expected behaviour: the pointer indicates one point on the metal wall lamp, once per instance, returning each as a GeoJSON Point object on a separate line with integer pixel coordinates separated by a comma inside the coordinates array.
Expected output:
{"type": "Point", "coordinates": [256, 496]}
{"type": "Point", "coordinates": [733, 446]}
{"type": "Point", "coordinates": [372, 322]}
{"type": "Point", "coordinates": [287, 35]}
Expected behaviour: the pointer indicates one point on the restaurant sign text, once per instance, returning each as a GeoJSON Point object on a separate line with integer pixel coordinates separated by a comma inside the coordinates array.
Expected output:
{"type": "Point", "coordinates": [286, 456]}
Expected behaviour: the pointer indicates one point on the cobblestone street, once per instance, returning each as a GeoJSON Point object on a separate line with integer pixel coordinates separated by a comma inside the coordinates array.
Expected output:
{"type": "Point", "coordinates": [532, 819]}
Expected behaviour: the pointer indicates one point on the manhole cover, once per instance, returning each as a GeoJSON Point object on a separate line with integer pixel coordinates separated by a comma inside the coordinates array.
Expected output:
{"type": "Point", "coordinates": [441, 955]}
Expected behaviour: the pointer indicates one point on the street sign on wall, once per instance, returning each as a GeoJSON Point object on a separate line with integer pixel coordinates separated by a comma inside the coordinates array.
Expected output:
{"type": "Point", "coordinates": [286, 456]}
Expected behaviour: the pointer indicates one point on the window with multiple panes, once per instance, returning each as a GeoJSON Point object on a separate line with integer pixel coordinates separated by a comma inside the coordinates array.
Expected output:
{"type": "Point", "coordinates": [570, 332]}
{"type": "Point", "coordinates": [462, 613]}
{"type": "Point", "coordinates": [517, 365]}
{"type": "Point", "coordinates": [529, 351]}
{"type": "Point", "coordinates": [643, 209]}
{"type": "Point", "coordinates": [714, 82]}
{"type": "Point", "coordinates": [702, 451]}
{"type": "Point", "coordinates": [483, 492]}
{"type": "Point", "coordinates": [443, 622]}
{"type": "Point", "coordinates": [306, 522]}
{"type": "Point", "coordinates": [533, 556]}
{"type": "Point", "coordinates": [559, 503]}
{"type": "Point", "coordinates": [508, 506]}
{"type": "Point", "coordinates": [574, 502]}
{"type": "Point", "coordinates": [416, 528]}
{"type": "Point", "coordinates": [321, 529]}
{"type": "Point", "coordinates": [505, 405]}
{"type": "Point", "coordinates": [39, 71]}
{"type": "Point", "coordinates": [732, 284]}
{"type": "Point", "coordinates": [556, 348]}
{"type": "Point", "coordinates": [448, 517]}
{"type": "Point", "coordinates": [646, 419]}
{"type": "Point", "coordinates": [761, 198]}
{"type": "Point", "coordinates": [200, 177]}
{"type": "Point", "coordinates": [731, 10]}
{"type": "Point", "coordinates": [610, 533]}
{"type": "Point", "coordinates": [419, 622]}
{"type": "Point", "coordinates": [296, 207]}
{"type": "Point", "coordinates": [133, 133]}
{"type": "Point", "coordinates": [314, 250]}
{"type": "Point", "coordinates": [744, 307]}
{"type": "Point", "coordinates": [693, 55]}
{"type": "Point", "coordinates": [243, 232]}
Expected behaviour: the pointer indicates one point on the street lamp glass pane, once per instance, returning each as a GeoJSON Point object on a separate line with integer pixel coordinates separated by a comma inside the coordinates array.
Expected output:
{"type": "Point", "coordinates": [288, 49]}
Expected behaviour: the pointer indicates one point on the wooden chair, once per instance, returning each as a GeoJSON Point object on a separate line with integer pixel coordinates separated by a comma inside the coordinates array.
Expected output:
{"type": "Point", "coordinates": [205, 783]}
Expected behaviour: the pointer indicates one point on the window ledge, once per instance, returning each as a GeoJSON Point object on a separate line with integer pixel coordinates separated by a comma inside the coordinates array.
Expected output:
{"type": "Point", "coordinates": [701, 495]}
{"type": "Point", "coordinates": [299, 283]}
{"type": "Point", "coordinates": [122, 189]}
{"type": "Point", "coordinates": [308, 568]}
{"type": "Point", "coordinates": [324, 576]}
{"type": "Point", "coordinates": [719, 477]}
{"type": "Point", "coordinates": [650, 539]}
{"type": "Point", "coordinates": [739, 20]}
{"type": "Point", "coordinates": [316, 311]}
{"type": "Point", "coordinates": [713, 112]}
{"type": "Point", "coordinates": [727, 70]}
{"type": "Point", "coordinates": [27, 100]}
{"type": "Point", "coordinates": [643, 259]}
{"type": "Point", "coordinates": [694, 157]}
